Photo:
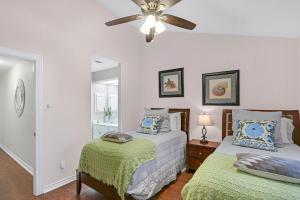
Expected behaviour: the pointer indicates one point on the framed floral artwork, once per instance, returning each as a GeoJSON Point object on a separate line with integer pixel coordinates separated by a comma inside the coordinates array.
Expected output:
{"type": "Point", "coordinates": [221, 88]}
{"type": "Point", "coordinates": [171, 83]}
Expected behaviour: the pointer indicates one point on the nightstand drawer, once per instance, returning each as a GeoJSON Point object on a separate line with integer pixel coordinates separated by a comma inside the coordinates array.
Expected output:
{"type": "Point", "coordinates": [194, 163]}
{"type": "Point", "coordinates": [201, 153]}
{"type": "Point", "coordinates": [197, 153]}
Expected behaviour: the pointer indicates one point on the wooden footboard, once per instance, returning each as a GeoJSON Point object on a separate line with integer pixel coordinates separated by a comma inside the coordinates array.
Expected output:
{"type": "Point", "coordinates": [108, 191]}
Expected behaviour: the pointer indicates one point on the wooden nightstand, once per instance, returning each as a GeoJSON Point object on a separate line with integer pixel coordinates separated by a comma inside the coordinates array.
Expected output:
{"type": "Point", "coordinates": [198, 152]}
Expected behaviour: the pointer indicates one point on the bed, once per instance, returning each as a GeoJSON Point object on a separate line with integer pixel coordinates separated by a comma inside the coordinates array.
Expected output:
{"type": "Point", "coordinates": [153, 175]}
{"type": "Point", "coordinates": [216, 178]}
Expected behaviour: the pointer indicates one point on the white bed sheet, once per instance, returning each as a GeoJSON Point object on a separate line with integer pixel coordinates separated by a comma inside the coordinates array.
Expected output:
{"type": "Point", "coordinates": [153, 175]}
{"type": "Point", "coordinates": [291, 151]}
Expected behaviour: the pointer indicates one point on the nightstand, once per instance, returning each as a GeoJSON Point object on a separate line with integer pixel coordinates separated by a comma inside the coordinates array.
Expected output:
{"type": "Point", "coordinates": [197, 152]}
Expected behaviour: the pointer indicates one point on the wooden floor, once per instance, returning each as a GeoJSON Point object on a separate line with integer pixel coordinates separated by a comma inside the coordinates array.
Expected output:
{"type": "Point", "coordinates": [16, 184]}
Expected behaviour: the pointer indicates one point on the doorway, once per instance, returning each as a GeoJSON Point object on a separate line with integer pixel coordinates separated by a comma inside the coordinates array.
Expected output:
{"type": "Point", "coordinates": [21, 112]}
{"type": "Point", "coordinates": [105, 96]}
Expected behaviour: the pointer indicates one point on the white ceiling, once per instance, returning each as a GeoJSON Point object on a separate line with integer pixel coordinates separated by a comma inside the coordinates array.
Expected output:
{"type": "Point", "coordinates": [238, 17]}
{"type": "Point", "coordinates": [101, 63]}
{"type": "Point", "coordinates": [7, 62]}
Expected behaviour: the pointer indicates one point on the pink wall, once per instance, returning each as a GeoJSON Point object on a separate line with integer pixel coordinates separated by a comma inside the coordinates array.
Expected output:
{"type": "Point", "coordinates": [68, 34]}
{"type": "Point", "coordinates": [267, 67]}
{"type": "Point", "coordinates": [298, 73]}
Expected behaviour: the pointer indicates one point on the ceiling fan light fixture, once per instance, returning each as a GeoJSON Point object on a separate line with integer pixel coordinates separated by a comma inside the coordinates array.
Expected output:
{"type": "Point", "coordinates": [149, 23]}
{"type": "Point", "coordinates": [159, 27]}
{"type": "Point", "coordinates": [145, 29]}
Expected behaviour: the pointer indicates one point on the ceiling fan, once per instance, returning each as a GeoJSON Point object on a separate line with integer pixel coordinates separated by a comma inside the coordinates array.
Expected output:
{"type": "Point", "coordinates": [152, 11]}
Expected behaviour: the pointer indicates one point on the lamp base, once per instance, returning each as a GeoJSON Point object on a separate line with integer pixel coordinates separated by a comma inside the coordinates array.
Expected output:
{"type": "Point", "coordinates": [204, 141]}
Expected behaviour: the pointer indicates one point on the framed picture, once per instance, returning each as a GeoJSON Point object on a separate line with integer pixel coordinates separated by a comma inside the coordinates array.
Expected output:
{"type": "Point", "coordinates": [171, 83]}
{"type": "Point", "coordinates": [221, 88]}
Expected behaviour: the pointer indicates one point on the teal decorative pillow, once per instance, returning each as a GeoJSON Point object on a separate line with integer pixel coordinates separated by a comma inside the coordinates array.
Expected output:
{"type": "Point", "coordinates": [256, 134]}
{"type": "Point", "coordinates": [150, 124]}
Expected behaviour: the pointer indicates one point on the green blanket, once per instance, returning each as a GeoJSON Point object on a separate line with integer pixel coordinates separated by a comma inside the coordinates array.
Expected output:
{"type": "Point", "coordinates": [218, 179]}
{"type": "Point", "coordinates": [113, 163]}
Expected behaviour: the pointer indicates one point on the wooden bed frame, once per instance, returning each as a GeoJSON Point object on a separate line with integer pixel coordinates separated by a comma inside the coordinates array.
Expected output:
{"type": "Point", "coordinates": [110, 191]}
{"type": "Point", "coordinates": [291, 114]}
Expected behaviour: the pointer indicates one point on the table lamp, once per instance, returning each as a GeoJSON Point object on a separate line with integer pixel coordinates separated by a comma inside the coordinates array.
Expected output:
{"type": "Point", "coordinates": [205, 119]}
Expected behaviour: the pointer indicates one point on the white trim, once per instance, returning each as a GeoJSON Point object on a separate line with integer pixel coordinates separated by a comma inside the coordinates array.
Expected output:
{"type": "Point", "coordinates": [15, 157]}
{"type": "Point", "coordinates": [59, 183]}
{"type": "Point", "coordinates": [38, 60]}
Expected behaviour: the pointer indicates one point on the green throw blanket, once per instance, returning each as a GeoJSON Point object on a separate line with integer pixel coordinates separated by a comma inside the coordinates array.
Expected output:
{"type": "Point", "coordinates": [115, 164]}
{"type": "Point", "coordinates": [218, 179]}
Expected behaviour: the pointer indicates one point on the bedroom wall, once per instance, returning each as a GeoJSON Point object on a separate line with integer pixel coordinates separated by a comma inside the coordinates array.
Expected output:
{"type": "Point", "coordinates": [267, 72]}
{"type": "Point", "coordinates": [298, 73]}
{"type": "Point", "coordinates": [68, 34]}
{"type": "Point", "coordinates": [16, 134]}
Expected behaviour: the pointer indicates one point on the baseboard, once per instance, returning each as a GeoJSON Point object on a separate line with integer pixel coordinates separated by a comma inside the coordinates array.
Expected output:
{"type": "Point", "coordinates": [59, 183]}
{"type": "Point", "coordinates": [22, 163]}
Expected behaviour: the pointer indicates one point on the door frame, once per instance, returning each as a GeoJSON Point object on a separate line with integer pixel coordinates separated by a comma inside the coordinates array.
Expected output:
{"type": "Point", "coordinates": [118, 66]}
{"type": "Point", "coordinates": [38, 60]}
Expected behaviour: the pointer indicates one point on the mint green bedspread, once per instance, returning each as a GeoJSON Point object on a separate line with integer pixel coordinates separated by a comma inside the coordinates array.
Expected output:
{"type": "Point", "coordinates": [218, 179]}
{"type": "Point", "coordinates": [115, 164]}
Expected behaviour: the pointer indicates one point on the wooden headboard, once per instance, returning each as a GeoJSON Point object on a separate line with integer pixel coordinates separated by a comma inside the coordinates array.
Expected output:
{"type": "Point", "coordinates": [185, 119]}
{"type": "Point", "coordinates": [291, 114]}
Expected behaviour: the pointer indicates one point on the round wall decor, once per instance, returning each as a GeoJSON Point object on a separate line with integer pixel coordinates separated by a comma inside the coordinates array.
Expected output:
{"type": "Point", "coordinates": [20, 98]}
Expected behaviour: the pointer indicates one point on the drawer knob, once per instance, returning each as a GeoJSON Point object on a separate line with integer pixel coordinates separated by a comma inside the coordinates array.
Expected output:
{"type": "Point", "coordinates": [200, 153]}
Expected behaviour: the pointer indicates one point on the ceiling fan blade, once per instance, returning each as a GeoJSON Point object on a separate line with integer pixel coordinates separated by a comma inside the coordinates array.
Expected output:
{"type": "Point", "coordinates": [168, 3]}
{"type": "Point", "coordinates": [177, 21]}
{"type": "Point", "coordinates": [124, 20]}
{"type": "Point", "coordinates": [141, 3]}
{"type": "Point", "coordinates": [150, 36]}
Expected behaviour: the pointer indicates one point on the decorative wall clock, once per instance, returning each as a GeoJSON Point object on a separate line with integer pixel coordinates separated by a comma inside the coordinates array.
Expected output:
{"type": "Point", "coordinates": [20, 98]}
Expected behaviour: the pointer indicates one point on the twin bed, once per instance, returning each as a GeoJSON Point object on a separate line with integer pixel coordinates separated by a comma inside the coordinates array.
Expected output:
{"type": "Point", "coordinates": [150, 177]}
{"type": "Point", "coordinates": [216, 178]}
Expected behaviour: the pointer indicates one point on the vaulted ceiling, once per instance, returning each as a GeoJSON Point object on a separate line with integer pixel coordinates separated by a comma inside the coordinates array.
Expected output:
{"type": "Point", "coordinates": [237, 17]}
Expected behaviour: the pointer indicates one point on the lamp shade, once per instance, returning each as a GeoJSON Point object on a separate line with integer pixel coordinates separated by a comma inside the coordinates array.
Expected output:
{"type": "Point", "coordinates": [205, 119]}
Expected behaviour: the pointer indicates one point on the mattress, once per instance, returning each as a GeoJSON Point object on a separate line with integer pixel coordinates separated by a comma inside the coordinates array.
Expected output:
{"type": "Point", "coordinates": [153, 175]}
{"type": "Point", "coordinates": [291, 151]}
{"type": "Point", "coordinates": [217, 178]}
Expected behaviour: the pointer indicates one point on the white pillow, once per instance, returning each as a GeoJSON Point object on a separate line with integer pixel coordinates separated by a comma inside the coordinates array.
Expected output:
{"type": "Point", "coordinates": [164, 113]}
{"type": "Point", "coordinates": [175, 121]}
{"type": "Point", "coordinates": [286, 130]}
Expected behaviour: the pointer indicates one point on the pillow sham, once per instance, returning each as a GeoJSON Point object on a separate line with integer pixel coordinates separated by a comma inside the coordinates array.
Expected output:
{"type": "Point", "coordinates": [287, 128]}
{"type": "Point", "coordinates": [281, 169]}
{"type": "Point", "coordinates": [175, 121]}
{"type": "Point", "coordinates": [256, 134]}
{"type": "Point", "coordinates": [150, 124]}
{"type": "Point", "coordinates": [239, 114]}
{"type": "Point", "coordinates": [117, 137]}
{"type": "Point", "coordinates": [164, 126]}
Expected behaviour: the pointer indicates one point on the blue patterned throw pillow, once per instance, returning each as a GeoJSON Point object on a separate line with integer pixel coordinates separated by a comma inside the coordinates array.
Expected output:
{"type": "Point", "coordinates": [256, 134]}
{"type": "Point", "coordinates": [150, 124]}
